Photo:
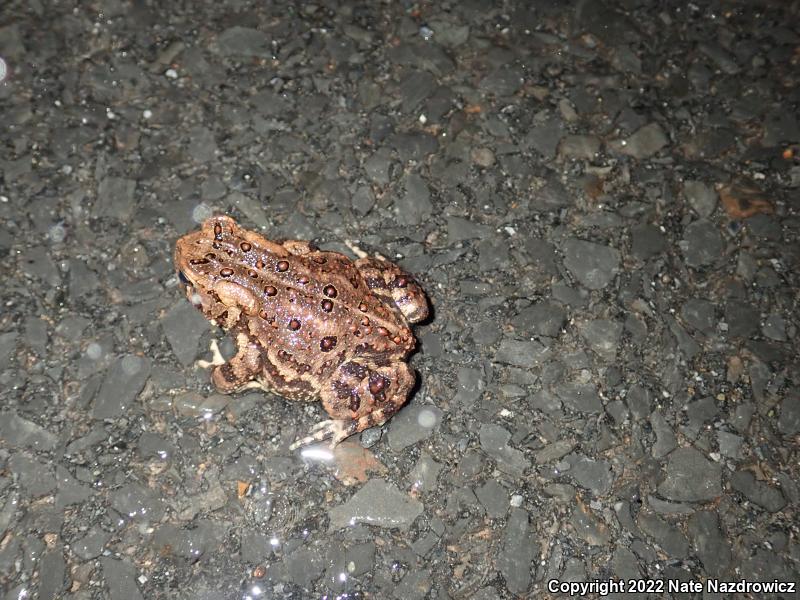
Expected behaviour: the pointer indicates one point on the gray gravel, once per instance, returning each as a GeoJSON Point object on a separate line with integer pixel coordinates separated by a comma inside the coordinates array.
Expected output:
{"type": "Point", "coordinates": [600, 199]}
{"type": "Point", "coordinates": [378, 503]}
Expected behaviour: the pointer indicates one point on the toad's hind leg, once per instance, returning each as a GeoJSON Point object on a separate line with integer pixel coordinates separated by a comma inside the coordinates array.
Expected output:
{"type": "Point", "coordinates": [240, 370]}
{"type": "Point", "coordinates": [360, 397]}
{"type": "Point", "coordinates": [340, 429]}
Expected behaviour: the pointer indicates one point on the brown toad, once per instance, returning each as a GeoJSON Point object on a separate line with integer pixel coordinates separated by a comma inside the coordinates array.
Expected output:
{"type": "Point", "coordinates": [308, 324]}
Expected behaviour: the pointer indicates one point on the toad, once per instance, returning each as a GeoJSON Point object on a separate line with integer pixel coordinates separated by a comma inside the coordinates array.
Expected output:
{"type": "Point", "coordinates": [308, 324]}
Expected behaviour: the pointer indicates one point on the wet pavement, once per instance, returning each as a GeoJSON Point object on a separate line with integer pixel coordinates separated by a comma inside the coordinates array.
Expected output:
{"type": "Point", "coordinates": [601, 200]}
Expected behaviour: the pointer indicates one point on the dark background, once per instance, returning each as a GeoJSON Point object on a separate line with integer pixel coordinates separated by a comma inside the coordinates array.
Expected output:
{"type": "Point", "coordinates": [601, 200]}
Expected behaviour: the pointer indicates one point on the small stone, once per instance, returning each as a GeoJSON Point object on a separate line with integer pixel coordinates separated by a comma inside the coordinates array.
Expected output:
{"type": "Point", "coordinates": [544, 318]}
{"type": "Point", "coordinates": [449, 34]}
{"type": "Point", "coordinates": [624, 564]}
{"type": "Point", "coordinates": [663, 507]}
{"type": "Point", "coordinates": [584, 147]}
{"type": "Point", "coordinates": [22, 433]}
{"type": "Point", "coordinates": [758, 492]}
{"type": "Point", "coordinates": [686, 343]}
{"type": "Point", "coordinates": [8, 345]}
{"type": "Point", "coordinates": [722, 57]}
{"type": "Point", "coordinates": [115, 198]}
{"type": "Point", "coordinates": [554, 451]}
{"type": "Point", "coordinates": [789, 419]}
{"type": "Point", "coordinates": [414, 206]}
{"type": "Point", "coordinates": [710, 543]}
{"type": "Point", "coordinates": [413, 146]}
{"type": "Point", "coordinates": [764, 564]}
{"type": "Point", "coordinates": [201, 147]}
{"type": "Point", "coordinates": [425, 473]}
{"type": "Point", "coordinates": [415, 585]}
{"type": "Point", "coordinates": [638, 401]}
{"type": "Point", "coordinates": [665, 437]}
{"type": "Point", "coordinates": [618, 411]}
{"type": "Point", "coordinates": [602, 335]}
{"type": "Point", "coordinates": [377, 503]}
{"type": "Point", "coordinates": [562, 492]}
{"type": "Point", "coordinates": [701, 197]}
{"type": "Point", "coordinates": [183, 326]}
{"type": "Point", "coordinates": [70, 491]}
{"type": "Point", "coordinates": [580, 397]}
{"type": "Point", "coordinates": [460, 229]}
{"type": "Point", "coordinates": [588, 527]}
{"type": "Point", "coordinates": [51, 573]}
{"type": "Point", "coordinates": [38, 262]}
{"type": "Point", "coordinates": [701, 244]}
{"type": "Point", "coordinates": [378, 167]}
{"type": "Point", "coordinates": [256, 547]}
{"type": "Point", "coordinates": [136, 501]}
{"type": "Point", "coordinates": [494, 441]}
{"type": "Point", "coordinates": [305, 565]}
{"type": "Point", "coordinates": [91, 545]}
{"type": "Point", "coordinates": [700, 412]}
{"type": "Point", "coordinates": [414, 88]}
{"type": "Point", "coordinates": [35, 477]}
{"type": "Point", "coordinates": [471, 385]}
{"type": "Point", "coordinates": [363, 200]}
{"type": "Point", "coordinates": [545, 137]}
{"type": "Point", "coordinates": [425, 544]}
{"type": "Point", "coordinates": [774, 327]}
{"type": "Point", "coordinates": [647, 241]}
{"type": "Point", "coordinates": [244, 41]}
{"type": "Point", "coordinates": [153, 446]}
{"type": "Point", "coordinates": [494, 498]}
{"type": "Point", "coordinates": [551, 196]}
{"type": "Point", "coordinates": [646, 142]}
{"type": "Point", "coordinates": [593, 265]}
{"type": "Point", "coordinates": [36, 336]}
{"type": "Point", "coordinates": [504, 81]}
{"type": "Point", "coordinates": [690, 477]}
{"type": "Point", "coordinates": [730, 444]}
{"type": "Point", "coordinates": [412, 424]}
{"type": "Point", "coordinates": [120, 576]}
{"type": "Point", "coordinates": [741, 318]}
{"type": "Point", "coordinates": [669, 538]}
{"type": "Point", "coordinates": [483, 157]}
{"type": "Point", "coordinates": [521, 353]}
{"type": "Point", "coordinates": [595, 475]}
{"type": "Point", "coordinates": [519, 550]}
{"type": "Point", "coordinates": [699, 314]}
{"type": "Point", "coordinates": [208, 501]}
{"type": "Point", "coordinates": [567, 111]}
{"type": "Point", "coordinates": [361, 558]}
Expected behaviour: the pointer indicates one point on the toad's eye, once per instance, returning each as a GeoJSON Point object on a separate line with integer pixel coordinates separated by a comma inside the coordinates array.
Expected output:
{"type": "Point", "coordinates": [183, 278]}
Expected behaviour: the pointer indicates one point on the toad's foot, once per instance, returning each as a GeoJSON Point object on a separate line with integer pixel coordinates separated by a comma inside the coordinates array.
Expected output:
{"type": "Point", "coordinates": [216, 357]}
{"type": "Point", "coordinates": [339, 429]}
{"type": "Point", "coordinates": [334, 429]}
{"type": "Point", "coordinates": [360, 253]}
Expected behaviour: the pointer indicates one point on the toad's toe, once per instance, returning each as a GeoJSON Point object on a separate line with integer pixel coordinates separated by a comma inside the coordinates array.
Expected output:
{"type": "Point", "coordinates": [336, 430]}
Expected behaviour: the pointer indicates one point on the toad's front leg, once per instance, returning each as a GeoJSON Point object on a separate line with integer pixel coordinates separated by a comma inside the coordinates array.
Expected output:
{"type": "Point", "coordinates": [238, 372]}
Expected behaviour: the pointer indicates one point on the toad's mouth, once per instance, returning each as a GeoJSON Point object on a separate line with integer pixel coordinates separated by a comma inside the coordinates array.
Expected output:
{"type": "Point", "coordinates": [184, 279]}
{"type": "Point", "coordinates": [187, 284]}
{"type": "Point", "coordinates": [190, 290]}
